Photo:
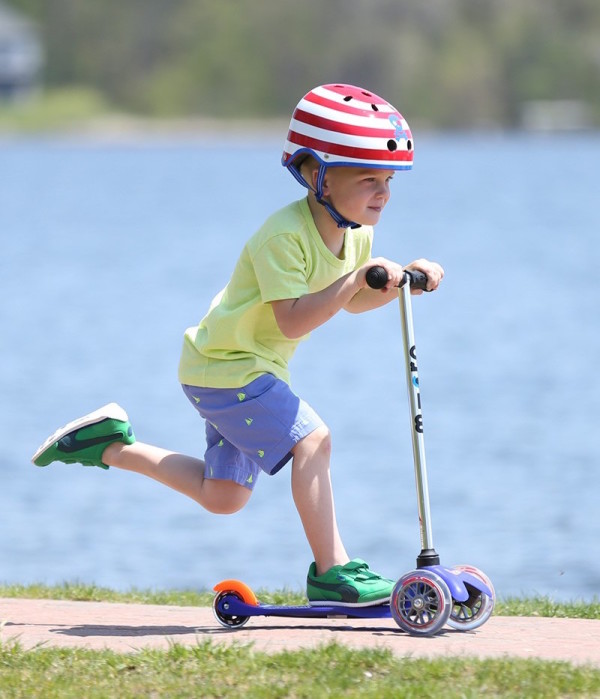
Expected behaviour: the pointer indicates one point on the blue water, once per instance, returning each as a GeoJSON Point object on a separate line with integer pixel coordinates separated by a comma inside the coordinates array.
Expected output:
{"type": "Point", "coordinates": [111, 249]}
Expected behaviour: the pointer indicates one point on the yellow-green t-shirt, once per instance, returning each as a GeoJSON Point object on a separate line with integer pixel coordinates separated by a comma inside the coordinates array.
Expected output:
{"type": "Point", "coordinates": [239, 339]}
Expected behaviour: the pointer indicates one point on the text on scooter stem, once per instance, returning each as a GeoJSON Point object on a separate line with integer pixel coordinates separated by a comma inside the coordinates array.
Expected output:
{"type": "Point", "coordinates": [415, 382]}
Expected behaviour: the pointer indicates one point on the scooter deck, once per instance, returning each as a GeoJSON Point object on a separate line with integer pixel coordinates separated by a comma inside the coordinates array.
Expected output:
{"type": "Point", "coordinates": [236, 599]}
{"type": "Point", "coordinates": [230, 605]}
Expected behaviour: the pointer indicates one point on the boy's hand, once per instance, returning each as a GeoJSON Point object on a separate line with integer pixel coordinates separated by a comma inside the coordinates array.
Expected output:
{"type": "Point", "coordinates": [394, 270]}
{"type": "Point", "coordinates": [433, 270]}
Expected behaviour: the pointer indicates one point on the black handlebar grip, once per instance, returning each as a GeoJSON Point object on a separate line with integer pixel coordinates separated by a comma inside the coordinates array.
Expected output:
{"type": "Point", "coordinates": [417, 279]}
{"type": "Point", "coordinates": [377, 278]}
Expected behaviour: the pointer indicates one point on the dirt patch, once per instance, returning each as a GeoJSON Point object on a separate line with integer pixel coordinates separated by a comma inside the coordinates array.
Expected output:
{"type": "Point", "coordinates": [130, 627]}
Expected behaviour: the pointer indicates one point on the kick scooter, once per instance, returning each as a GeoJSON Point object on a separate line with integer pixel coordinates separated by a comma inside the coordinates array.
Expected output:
{"type": "Point", "coordinates": [423, 600]}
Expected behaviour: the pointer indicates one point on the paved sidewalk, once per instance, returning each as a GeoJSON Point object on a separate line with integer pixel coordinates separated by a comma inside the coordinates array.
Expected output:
{"type": "Point", "coordinates": [130, 627]}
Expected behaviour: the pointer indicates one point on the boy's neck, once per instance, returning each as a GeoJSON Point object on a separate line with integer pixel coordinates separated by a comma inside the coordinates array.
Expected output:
{"type": "Point", "coordinates": [332, 236]}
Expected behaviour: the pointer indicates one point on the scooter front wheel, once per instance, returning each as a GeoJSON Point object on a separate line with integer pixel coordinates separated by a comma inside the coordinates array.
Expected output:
{"type": "Point", "coordinates": [421, 602]}
{"type": "Point", "coordinates": [477, 609]}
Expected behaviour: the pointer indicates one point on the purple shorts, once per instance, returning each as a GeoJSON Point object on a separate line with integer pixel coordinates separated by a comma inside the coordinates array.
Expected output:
{"type": "Point", "coordinates": [251, 429]}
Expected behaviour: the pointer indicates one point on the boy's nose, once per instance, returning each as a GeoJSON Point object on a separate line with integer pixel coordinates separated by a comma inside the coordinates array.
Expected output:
{"type": "Point", "coordinates": [383, 190]}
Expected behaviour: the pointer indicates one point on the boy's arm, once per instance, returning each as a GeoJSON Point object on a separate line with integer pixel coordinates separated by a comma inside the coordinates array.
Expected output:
{"type": "Point", "coordinates": [366, 299]}
{"type": "Point", "coordinates": [297, 317]}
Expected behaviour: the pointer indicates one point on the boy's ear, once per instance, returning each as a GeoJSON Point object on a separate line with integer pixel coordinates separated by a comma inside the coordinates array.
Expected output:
{"type": "Point", "coordinates": [325, 185]}
{"type": "Point", "coordinates": [314, 175]}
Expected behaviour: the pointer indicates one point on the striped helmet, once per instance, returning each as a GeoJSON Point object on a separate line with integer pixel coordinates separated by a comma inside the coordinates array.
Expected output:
{"type": "Point", "coordinates": [346, 125]}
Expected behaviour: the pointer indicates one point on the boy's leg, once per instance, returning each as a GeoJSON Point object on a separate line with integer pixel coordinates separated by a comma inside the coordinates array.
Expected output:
{"type": "Point", "coordinates": [313, 496]}
{"type": "Point", "coordinates": [179, 472]}
{"type": "Point", "coordinates": [332, 579]}
{"type": "Point", "coordinates": [105, 438]}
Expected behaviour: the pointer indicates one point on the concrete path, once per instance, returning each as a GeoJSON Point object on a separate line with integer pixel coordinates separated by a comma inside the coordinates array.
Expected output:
{"type": "Point", "coordinates": [130, 627]}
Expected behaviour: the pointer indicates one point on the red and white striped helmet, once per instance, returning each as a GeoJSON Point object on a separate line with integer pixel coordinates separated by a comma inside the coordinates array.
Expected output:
{"type": "Point", "coordinates": [346, 125]}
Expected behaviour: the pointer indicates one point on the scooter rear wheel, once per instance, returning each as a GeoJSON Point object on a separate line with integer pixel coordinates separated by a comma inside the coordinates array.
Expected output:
{"type": "Point", "coordinates": [421, 602]}
{"type": "Point", "coordinates": [475, 611]}
{"type": "Point", "coordinates": [228, 589]}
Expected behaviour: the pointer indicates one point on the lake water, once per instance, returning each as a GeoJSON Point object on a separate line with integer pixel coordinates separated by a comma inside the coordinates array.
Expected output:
{"type": "Point", "coordinates": [111, 249]}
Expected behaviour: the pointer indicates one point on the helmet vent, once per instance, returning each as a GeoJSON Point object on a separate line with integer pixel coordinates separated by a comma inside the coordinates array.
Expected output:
{"type": "Point", "coordinates": [409, 145]}
{"type": "Point", "coordinates": [374, 108]}
{"type": "Point", "coordinates": [347, 98]}
{"type": "Point", "coordinates": [392, 145]}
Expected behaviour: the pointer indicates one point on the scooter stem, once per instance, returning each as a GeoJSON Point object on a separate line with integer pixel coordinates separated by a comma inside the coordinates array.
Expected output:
{"type": "Point", "coordinates": [428, 555]}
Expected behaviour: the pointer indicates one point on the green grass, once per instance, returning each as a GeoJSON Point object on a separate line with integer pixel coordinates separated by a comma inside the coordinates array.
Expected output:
{"type": "Point", "coordinates": [211, 670]}
{"type": "Point", "coordinates": [216, 670]}
{"type": "Point", "coordinates": [92, 593]}
{"type": "Point", "coordinates": [55, 109]}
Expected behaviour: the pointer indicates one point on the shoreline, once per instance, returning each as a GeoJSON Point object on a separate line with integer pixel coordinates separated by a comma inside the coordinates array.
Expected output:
{"type": "Point", "coordinates": [126, 129]}
{"type": "Point", "coordinates": [123, 128]}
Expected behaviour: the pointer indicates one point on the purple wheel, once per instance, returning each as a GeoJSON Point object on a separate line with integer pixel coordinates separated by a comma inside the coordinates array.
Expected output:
{"type": "Point", "coordinates": [421, 602]}
{"type": "Point", "coordinates": [477, 609]}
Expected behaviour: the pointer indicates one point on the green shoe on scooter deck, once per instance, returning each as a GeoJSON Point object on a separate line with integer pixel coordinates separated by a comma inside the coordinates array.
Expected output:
{"type": "Point", "coordinates": [352, 584]}
{"type": "Point", "coordinates": [84, 440]}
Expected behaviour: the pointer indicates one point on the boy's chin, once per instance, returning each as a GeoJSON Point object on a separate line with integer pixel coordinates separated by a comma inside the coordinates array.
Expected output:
{"type": "Point", "coordinates": [370, 218]}
{"type": "Point", "coordinates": [367, 218]}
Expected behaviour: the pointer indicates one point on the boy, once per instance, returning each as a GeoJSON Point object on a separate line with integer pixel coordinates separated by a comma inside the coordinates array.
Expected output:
{"type": "Point", "coordinates": [307, 262]}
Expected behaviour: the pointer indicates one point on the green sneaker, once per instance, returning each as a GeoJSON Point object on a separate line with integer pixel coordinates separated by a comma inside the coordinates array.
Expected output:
{"type": "Point", "coordinates": [84, 440]}
{"type": "Point", "coordinates": [351, 585]}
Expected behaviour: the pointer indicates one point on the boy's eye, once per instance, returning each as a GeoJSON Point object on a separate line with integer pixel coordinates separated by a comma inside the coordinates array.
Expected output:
{"type": "Point", "coordinates": [373, 179]}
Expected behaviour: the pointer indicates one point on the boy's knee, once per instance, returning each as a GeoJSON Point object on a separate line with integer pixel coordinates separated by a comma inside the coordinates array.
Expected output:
{"type": "Point", "coordinates": [224, 497]}
{"type": "Point", "coordinates": [319, 440]}
{"type": "Point", "coordinates": [323, 436]}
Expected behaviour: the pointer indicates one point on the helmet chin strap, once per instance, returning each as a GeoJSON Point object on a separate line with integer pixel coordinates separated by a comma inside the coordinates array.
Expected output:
{"type": "Point", "coordinates": [334, 213]}
{"type": "Point", "coordinates": [318, 192]}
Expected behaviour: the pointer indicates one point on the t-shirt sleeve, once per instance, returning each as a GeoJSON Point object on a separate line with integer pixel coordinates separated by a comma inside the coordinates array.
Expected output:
{"type": "Point", "coordinates": [281, 271]}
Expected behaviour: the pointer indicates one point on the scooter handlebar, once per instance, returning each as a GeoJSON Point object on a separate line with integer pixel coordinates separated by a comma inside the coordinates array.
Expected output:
{"type": "Point", "coordinates": [377, 278]}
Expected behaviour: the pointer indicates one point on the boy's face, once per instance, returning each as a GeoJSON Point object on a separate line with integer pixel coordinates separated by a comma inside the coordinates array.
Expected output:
{"type": "Point", "coordinates": [359, 194]}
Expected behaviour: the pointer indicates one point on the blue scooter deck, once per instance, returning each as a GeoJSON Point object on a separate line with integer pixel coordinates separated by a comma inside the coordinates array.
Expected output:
{"type": "Point", "coordinates": [230, 605]}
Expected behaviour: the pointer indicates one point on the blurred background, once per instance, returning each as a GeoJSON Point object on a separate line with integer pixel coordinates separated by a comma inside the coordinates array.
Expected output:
{"type": "Point", "coordinates": [140, 147]}
{"type": "Point", "coordinates": [451, 63]}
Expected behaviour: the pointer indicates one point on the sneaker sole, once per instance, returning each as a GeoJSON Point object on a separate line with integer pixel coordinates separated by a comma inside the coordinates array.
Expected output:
{"type": "Point", "coordinates": [328, 603]}
{"type": "Point", "coordinates": [110, 411]}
